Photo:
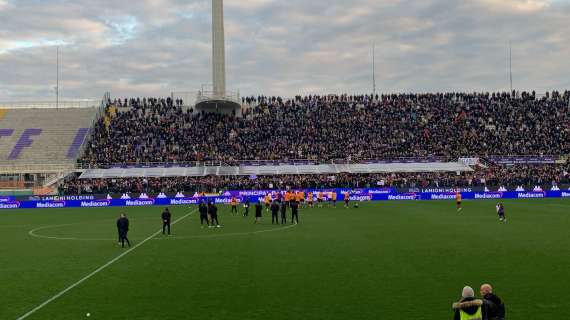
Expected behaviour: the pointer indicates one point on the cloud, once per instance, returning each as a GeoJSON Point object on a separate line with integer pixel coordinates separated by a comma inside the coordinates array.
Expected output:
{"type": "Point", "coordinates": [281, 47]}
{"type": "Point", "coordinates": [522, 6]}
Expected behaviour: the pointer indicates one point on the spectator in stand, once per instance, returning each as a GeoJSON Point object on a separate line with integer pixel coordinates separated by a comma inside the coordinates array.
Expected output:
{"type": "Point", "coordinates": [389, 126]}
{"type": "Point", "coordinates": [493, 177]}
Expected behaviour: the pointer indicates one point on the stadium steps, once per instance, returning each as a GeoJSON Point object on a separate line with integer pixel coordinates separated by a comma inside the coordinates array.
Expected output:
{"type": "Point", "coordinates": [59, 129]}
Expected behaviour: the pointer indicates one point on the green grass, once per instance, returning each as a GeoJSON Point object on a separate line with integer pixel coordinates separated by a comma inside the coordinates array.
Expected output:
{"type": "Point", "coordinates": [389, 260]}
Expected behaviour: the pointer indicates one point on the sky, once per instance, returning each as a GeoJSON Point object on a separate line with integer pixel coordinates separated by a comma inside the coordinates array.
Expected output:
{"type": "Point", "coordinates": [285, 48]}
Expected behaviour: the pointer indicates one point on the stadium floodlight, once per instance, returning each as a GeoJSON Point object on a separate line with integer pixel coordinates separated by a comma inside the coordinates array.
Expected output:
{"type": "Point", "coordinates": [218, 100]}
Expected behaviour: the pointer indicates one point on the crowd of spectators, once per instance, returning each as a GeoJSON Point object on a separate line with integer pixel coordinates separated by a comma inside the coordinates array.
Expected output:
{"type": "Point", "coordinates": [493, 177]}
{"type": "Point", "coordinates": [323, 128]}
{"type": "Point", "coordinates": [333, 127]}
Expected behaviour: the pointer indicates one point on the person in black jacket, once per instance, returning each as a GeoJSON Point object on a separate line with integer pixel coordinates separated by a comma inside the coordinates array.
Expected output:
{"type": "Point", "coordinates": [283, 213]}
{"type": "Point", "coordinates": [166, 217]}
{"type": "Point", "coordinates": [123, 227]}
{"type": "Point", "coordinates": [246, 207]}
{"type": "Point", "coordinates": [294, 212]}
{"type": "Point", "coordinates": [119, 229]}
{"type": "Point", "coordinates": [213, 212]}
{"type": "Point", "coordinates": [472, 307]}
{"type": "Point", "coordinates": [497, 313]}
{"type": "Point", "coordinates": [203, 209]}
{"type": "Point", "coordinates": [274, 212]}
{"type": "Point", "coordinates": [258, 210]}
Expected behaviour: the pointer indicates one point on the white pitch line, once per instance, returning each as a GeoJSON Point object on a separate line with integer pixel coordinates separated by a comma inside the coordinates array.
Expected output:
{"type": "Point", "coordinates": [64, 291]}
{"type": "Point", "coordinates": [33, 233]}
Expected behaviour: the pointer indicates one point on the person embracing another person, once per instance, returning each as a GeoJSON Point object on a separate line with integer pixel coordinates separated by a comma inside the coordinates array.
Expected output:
{"type": "Point", "coordinates": [490, 307]}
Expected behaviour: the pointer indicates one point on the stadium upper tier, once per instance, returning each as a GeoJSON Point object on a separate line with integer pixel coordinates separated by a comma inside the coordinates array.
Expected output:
{"type": "Point", "coordinates": [43, 136]}
{"type": "Point", "coordinates": [336, 127]}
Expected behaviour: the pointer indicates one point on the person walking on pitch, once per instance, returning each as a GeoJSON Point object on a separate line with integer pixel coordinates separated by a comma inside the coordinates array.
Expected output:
{"type": "Point", "coordinates": [258, 210]}
{"type": "Point", "coordinates": [234, 204]}
{"type": "Point", "coordinates": [501, 212]}
{"type": "Point", "coordinates": [166, 217]}
{"type": "Point", "coordinates": [283, 213]}
{"type": "Point", "coordinates": [346, 199]}
{"type": "Point", "coordinates": [119, 229]}
{"type": "Point", "coordinates": [123, 226]}
{"type": "Point", "coordinates": [267, 201]}
{"type": "Point", "coordinates": [203, 209]}
{"type": "Point", "coordinates": [246, 207]}
{"type": "Point", "coordinates": [333, 198]}
{"type": "Point", "coordinates": [274, 212]}
{"type": "Point", "coordinates": [458, 200]}
{"type": "Point", "coordinates": [294, 212]}
{"type": "Point", "coordinates": [213, 212]}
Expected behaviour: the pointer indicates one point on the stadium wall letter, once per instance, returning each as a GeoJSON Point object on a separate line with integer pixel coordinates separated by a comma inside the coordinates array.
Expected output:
{"type": "Point", "coordinates": [24, 142]}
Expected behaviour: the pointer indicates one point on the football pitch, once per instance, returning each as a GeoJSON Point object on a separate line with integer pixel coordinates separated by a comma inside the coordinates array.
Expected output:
{"type": "Point", "coordinates": [384, 260]}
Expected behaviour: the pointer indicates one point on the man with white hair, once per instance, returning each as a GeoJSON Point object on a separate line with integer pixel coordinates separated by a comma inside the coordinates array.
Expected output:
{"type": "Point", "coordinates": [497, 313]}
{"type": "Point", "coordinates": [470, 308]}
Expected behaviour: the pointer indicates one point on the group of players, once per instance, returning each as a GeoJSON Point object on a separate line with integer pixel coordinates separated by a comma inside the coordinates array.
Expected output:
{"type": "Point", "coordinates": [277, 203]}
{"type": "Point", "coordinates": [500, 207]}
{"type": "Point", "coordinates": [299, 197]}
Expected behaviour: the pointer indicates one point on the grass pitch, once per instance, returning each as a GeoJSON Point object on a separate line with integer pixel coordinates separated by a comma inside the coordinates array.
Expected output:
{"type": "Point", "coordinates": [388, 260]}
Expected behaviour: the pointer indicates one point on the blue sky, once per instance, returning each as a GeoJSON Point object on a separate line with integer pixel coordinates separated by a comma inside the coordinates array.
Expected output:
{"type": "Point", "coordinates": [153, 47]}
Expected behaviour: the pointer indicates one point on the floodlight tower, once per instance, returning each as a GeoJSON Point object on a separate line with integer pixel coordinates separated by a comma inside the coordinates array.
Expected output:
{"type": "Point", "coordinates": [218, 48]}
{"type": "Point", "coordinates": [218, 100]}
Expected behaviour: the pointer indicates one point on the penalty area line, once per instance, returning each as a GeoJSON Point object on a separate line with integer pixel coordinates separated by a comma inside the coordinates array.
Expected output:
{"type": "Point", "coordinates": [101, 268]}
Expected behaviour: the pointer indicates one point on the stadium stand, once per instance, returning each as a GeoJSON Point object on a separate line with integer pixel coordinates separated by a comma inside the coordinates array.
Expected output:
{"type": "Point", "coordinates": [337, 127]}
{"type": "Point", "coordinates": [404, 140]}
{"type": "Point", "coordinates": [43, 136]}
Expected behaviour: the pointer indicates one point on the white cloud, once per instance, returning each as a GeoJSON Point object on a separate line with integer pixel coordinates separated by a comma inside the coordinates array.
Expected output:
{"type": "Point", "coordinates": [524, 6]}
{"type": "Point", "coordinates": [282, 47]}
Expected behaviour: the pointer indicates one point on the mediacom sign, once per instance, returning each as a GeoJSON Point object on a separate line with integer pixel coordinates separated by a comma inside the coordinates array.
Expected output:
{"type": "Point", "coordinates": [96, 203]}
{"type": "Point", "coordinates": [184, 201]}
{"type": "Point", "coordinates": [139, 203]}
{"type": "Point", "coordinates": [9, 205]}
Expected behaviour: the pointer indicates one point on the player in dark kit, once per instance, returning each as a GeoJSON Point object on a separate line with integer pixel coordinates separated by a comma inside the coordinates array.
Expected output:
{"type": "Point", "coordinates": [166, 217]}
{"type": "Point", "coordinates": [274, 212]}
{"type": "Point", "coordinates": [258, 210]}
{"type": "Point", "coordinates": [283, 213]}
{"type": "Point", "coordinates": [294, 212]}
{"type": "Point", "coordinates": [119, 229]}
{"type": "Point", "coordinates": [501, 212]}
{"type": "Point", "coordinates": [203, 209]}
{"type": "Point", "coordinates": [123, 226]}
{"type": "Point", "coordinates": [213, 211]}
